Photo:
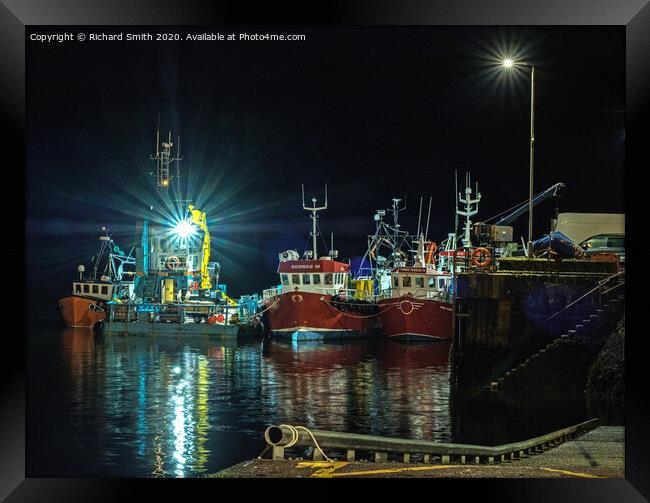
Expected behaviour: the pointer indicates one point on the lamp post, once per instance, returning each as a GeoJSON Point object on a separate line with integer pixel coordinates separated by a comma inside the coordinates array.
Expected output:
{"type": "Point", "coordinates": [509, 63]}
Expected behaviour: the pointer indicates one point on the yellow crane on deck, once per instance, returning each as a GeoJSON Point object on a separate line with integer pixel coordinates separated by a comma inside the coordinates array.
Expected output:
{"type": "Point", "coordinates": [198, 217]}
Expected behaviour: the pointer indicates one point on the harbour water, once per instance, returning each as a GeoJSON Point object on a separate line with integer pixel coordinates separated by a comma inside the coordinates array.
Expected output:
{"type": "Point", "coordinates": [167, 406]}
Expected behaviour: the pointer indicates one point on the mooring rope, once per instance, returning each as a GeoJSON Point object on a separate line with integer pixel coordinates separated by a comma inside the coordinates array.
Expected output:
{"type": "Point", "coordinates": [267, 308]}
{"type": "Point", "coordinates": [295, 436]}
{"type": "Point", "coordinates": [352, 315]}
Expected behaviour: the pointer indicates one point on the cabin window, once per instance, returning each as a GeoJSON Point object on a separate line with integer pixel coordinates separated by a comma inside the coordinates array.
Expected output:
{"type": "Point", "coordinates": [77, 288]}
{"type": "Point", "coordinates": [616, 242]}
{"type": "Point", "coordinates": [86, 289]}
{"type": "Point", "coordinates": [295, 279]}
{"type": "Point", "coordinates": [419, 282]}
{"type": "Point", "coordinates": [285, 279]}
{"type": "Point", "coordinates": [597, 242]}
{"type": "Point", "coordinates": [406, 281]}
{"type": "Point", "coordinates": [432, 283]}
{"type": "Point", "coordinates": [95, 288]}
{"type": "Point", "coordinates": [328, 278]}
{"type": "Point", "coordinates": [441, 284]}
{"type": "Point", "coordinates": [395, 281]}
{"type": "Point", "coordinates": [305, 279]}
{"type": "Point", "coordinates": [104, 290]}
{"type": "Point", "coordinates": [316, 278]}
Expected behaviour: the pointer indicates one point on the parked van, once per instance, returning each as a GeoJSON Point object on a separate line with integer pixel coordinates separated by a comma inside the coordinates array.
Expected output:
{"type": "Point", "coordinates": [581, 226]}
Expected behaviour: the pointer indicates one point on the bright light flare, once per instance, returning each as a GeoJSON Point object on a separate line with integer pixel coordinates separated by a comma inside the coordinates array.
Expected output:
{"type": "Point", "coordinates": [508, 63]}
{"type": "Point", "coordinates": [184, 229]}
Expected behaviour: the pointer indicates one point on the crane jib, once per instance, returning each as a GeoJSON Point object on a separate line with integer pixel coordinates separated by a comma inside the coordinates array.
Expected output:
{"type": "Point", "coordinates": [523, 208]}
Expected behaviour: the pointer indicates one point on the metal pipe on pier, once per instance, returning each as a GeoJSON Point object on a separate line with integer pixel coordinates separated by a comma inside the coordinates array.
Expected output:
{"type": "Point", "coordinates": [286, 436]}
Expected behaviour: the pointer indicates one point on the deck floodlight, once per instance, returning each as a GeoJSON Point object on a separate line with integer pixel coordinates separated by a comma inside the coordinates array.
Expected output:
{"type": "Point", "coordinates": [508, 63]}
{"type": "Point", "coordinates": [184, 229]}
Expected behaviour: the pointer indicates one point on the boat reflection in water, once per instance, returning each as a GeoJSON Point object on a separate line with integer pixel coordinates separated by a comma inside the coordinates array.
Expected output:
{"type": "Point", "coordinates": [185, 406]}
{"type": "Point", "coordinates": [417, 381]}
{"type": "Point", "coordinates": [374, 387]}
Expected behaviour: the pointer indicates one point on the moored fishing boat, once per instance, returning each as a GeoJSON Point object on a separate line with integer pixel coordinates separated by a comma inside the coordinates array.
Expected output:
{"type": "Point", "coordinates": [87, 304]}
{"type": "Point", "coordinates": [418, 305]}
{"type": "Point", "coordinates": [314, 302]}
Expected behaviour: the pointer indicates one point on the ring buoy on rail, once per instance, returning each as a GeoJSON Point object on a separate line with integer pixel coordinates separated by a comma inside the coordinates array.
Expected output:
{"type": "Point", "coordinates": [172, 262]}
{"type": "Point", "coordinates": [481, 257]}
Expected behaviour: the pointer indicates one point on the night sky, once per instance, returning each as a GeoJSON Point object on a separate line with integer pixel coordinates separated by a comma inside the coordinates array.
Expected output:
{"type": "Point", "coordinates": [374, 112]}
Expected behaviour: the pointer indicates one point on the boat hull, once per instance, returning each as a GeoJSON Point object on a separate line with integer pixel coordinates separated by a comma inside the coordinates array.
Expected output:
{"type": "Point", "coordinates": [81, 312]}
{"type": "Point", "coordinates": [310, 316]}
{"type": "Point", "coordinates": [408, 319]}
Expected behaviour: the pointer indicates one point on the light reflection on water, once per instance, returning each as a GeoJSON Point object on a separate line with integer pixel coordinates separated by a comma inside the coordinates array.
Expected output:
{"type": "Point", "coordinates": [179, 407]}
{"type": "Point", "coordinates": [184, 407]}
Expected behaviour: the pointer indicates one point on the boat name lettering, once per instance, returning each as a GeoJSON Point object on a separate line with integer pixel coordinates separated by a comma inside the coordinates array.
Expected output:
{"type": "Point", "coordinates": [305, 266]}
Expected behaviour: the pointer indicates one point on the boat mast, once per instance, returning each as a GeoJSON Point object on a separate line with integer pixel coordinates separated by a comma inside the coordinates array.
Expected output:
{"type": "Point", "coordinates": [314, 216]}
{"type": "Point", "coordinates": [471, 209]}
{"type": "Point", "coordinates": [164, 160]}
{"type": "Point", "coordinates": [396, 210]}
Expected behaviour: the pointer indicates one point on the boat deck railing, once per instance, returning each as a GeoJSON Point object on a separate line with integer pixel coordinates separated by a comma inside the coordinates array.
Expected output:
{"type": "Point", "coordinates": [439, 295]}
{"type": "Point", "coordinates": [131, 312]}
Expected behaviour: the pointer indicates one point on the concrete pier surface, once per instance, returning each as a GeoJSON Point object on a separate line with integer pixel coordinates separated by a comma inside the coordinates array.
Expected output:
{"type": "Point", "coordinates": [596, 454]}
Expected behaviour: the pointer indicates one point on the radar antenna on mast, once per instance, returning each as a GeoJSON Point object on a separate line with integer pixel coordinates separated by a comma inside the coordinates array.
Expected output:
{"type": "Point", "coordinates": [314, 217]}
{"type": "Point", "coordinates": [471, 208]}
{"type": "Point", "coordinates": [166, 162]}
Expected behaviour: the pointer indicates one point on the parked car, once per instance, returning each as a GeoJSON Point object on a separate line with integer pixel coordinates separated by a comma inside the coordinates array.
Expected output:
{"type": "Point", "coordinates": [605, 243]}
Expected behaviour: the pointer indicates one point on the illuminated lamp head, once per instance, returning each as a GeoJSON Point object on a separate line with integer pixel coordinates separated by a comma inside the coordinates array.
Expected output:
{"type": "Point", "coordinates": [184, 229]}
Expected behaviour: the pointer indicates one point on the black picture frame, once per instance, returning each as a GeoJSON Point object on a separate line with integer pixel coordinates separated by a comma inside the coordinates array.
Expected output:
{"type": "Point", "coordinates": [15, 15]}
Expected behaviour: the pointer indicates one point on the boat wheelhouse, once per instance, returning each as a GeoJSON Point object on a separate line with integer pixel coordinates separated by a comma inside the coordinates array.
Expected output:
{"type": "Point", "coordinates": [325, 276]}
{"type": "Point", "coordinates": [105, 291]}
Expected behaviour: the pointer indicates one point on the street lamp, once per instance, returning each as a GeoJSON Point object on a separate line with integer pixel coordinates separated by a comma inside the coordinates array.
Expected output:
{"type": "Point", "coordinates": [509, 63]}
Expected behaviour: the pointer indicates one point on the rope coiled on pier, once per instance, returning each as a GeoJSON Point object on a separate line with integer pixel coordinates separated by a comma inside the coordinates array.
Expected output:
{"type": "Point", "coordinates": [295, 436]}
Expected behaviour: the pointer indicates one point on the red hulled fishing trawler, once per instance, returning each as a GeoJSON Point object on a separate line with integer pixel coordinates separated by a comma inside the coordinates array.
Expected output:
{"type": "Point", "coordinates": [413, 293]}
{"type": "Point", "coordinates": [418, 305]}
{"type": "Point", "coordinates": [313, 301]}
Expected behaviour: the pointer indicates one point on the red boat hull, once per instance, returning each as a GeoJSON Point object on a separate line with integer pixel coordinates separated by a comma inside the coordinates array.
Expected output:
{"type": "Point", "coordinates": [81, 312]}
{"type": "Point", "coordinates": [309, 316]}
{"type": "Point", "coordinates": [416, 319]}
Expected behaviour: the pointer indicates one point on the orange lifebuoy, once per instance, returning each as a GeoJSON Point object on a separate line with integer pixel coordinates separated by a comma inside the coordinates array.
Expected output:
{"type": "Point", "coordinates": [486, 257]}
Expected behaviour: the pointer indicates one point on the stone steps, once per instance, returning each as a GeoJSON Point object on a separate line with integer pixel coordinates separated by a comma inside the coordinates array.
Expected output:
{"type": "Point", "coordinates": [583, 327]}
